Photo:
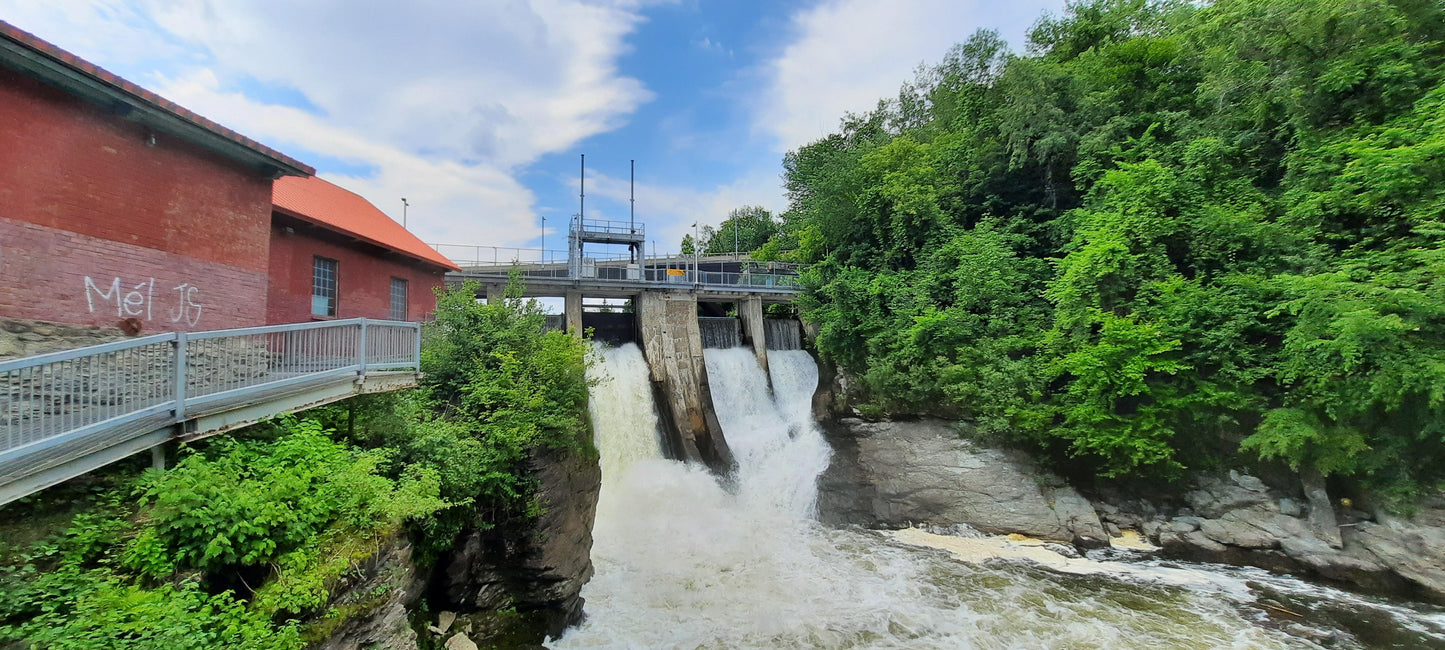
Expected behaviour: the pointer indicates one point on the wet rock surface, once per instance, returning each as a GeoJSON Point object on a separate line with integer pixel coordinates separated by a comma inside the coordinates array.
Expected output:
{"type": "Point", "coordinates": [893, 474]}
{"type": "Point", "coordinates": [1240, 520]}
{"type": "Point", "coordinates": [900, 473]}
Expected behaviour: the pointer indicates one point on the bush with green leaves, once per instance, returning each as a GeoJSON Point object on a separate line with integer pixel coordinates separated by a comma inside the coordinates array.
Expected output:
{"type": "Point", "coordinates": [498, 388]}
{"type": "Point", "coordinates": [296, 512]}
{"type": "Point", "coordinates": [250, 503]}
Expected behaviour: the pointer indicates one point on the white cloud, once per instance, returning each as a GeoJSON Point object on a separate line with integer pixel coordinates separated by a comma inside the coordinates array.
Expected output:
{"type": "Point", "coordinates": [451, 202]}
{"type": "Point", "coordinates": [446, 101]}
{"type": "Point", "coordinates": [848, 54]}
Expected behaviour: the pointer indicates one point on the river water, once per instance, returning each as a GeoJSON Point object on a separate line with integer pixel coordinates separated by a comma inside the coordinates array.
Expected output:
{"type": "Point", "coordinates": [685, 561]}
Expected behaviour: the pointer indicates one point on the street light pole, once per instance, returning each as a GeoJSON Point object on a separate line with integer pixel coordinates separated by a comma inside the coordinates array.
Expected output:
{"type": "Point", "coordinates": [544, 240]}
{"type": "Point", "coordinates": [403, 211]}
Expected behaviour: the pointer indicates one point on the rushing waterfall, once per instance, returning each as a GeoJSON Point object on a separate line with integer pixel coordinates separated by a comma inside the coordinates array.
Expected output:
{"type": "Point", "coordinates": [720, 331]}
{"type": "Point", "coordinates": [782, 334]}
{"type": "Point", "coordinates": [684, 562]}
{"type": "Point", "coordinates": [622, 403]}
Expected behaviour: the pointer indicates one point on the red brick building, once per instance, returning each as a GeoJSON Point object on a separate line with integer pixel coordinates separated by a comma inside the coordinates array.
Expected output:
{"type": "Point", "coordinates": [120, 210]}
{"type": "Point", "coordinates": [119, 205]}
{"type": "Point", "coordinates": [335, 255]}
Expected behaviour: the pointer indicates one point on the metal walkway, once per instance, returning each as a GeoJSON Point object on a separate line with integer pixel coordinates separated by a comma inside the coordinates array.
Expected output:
{"type": "Point", "coordinates": [68, 413]}
{"type": "Point", "coordinates": [720, 278]}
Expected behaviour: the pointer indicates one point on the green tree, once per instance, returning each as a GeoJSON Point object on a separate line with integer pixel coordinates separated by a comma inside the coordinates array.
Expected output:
{"type": "Point", "coordinates": [1168, 228]}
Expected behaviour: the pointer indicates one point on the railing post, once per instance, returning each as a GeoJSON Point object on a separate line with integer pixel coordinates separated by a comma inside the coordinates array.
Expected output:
{"type": "Point", "coordinates": [361, 350]}
{"type": "Point", "coordinates": [417, 351]}
{"type": "Point", "coordinates": [180, 378]}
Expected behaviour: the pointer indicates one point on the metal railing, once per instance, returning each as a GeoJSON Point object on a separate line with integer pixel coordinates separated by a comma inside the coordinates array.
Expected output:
{"type": "Point", "coordinates": [723, 278]}
{"type": "Point", "coordinates": [466, 255]}
{"type": "Point", "coordinates": [53, 407]}
{"type": "Point", "coordinates": [714, 279]}
{"type": "Point", "coordinates": [609, 227]}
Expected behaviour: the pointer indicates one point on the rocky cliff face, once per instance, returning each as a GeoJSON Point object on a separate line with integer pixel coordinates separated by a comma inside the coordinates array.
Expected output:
{"type": "Point", "coordinates": [370, 609]}
{"type": "Point", "coordinates": [892, 474]}
{"type": "Point", "coordinates": [500, 587]}
{"type": "Point", "coordinates": [537, 571]}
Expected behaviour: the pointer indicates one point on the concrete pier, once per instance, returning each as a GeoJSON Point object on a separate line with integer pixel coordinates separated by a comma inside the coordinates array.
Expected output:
{"type": "Point", "coordinates": [672, 343]}
{"type": "Point", "coordinates": [572, 309]}
{"type": "Point", "coordinates": [751, 310]}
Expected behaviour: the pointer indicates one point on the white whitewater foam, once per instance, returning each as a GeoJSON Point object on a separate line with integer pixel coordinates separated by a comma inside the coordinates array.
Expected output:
{"type": "Point", "coordinates": [683, 562]}
{"type": "Point", "coordinates": [621, 405]}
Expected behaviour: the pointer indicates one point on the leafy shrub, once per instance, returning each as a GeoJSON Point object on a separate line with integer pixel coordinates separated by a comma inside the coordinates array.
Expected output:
{"type": "Point", "coordinates": [249, 503]}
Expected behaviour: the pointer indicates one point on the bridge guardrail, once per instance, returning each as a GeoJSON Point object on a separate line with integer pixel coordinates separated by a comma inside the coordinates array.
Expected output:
{"type": "Point", "coordinates": [466, 255]}
{"type": "Point", "coordinates": [83, 397]}
{"type": "Point", "coordinates": [747, 278]}
{"type": "Point", "coordinates": [607, 226]}
{"type": "Point", "coordinates": [724, 278]}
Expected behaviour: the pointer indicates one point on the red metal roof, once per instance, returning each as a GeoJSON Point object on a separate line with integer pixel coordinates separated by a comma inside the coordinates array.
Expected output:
{"type": "Point", "coordinates": [61, 67]}
{"type": "Point", "coordinates": [335, 208]}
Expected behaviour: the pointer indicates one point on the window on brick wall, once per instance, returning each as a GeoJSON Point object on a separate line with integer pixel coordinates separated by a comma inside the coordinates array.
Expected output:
{"type": "Point", "coordinates": [323, 286]}
{"type": "Point", "coordinates": [398, 299]}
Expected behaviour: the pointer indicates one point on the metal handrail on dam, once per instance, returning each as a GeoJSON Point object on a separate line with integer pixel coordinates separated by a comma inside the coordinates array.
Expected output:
{"type": "Point", "coordinates": [68, 413]}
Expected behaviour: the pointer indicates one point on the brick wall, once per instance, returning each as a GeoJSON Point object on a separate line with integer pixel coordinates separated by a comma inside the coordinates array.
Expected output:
{"type": "Point", "coordinates": [364, 275]}
{"type": "Point", "coordinates": [65, 277]}
{"type": "Point", "coordinates": [96, 225]}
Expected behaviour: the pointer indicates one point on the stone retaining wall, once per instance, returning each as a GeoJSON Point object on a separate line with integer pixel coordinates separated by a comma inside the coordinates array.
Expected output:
{"type": "Point", "coordinates": [24, 338]}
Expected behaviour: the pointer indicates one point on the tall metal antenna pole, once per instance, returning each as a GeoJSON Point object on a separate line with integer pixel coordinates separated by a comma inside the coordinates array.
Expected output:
{"type": "Point", "coordinates": [632, 207]}
{"type": "Point", "coordinates": [582, 191]}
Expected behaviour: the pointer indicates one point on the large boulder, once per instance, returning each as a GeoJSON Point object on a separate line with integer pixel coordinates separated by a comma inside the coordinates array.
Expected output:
{"type": "Point", "coordinates": [1413, 551]}
{"type": "Point", "coordinates": [902, 473]}
{"type": "Point", "coordinates": [1215, 495]}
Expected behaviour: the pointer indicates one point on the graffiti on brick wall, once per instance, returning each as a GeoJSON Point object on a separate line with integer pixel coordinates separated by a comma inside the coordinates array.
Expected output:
{"type": "Point", "coordinates": [182, 303]}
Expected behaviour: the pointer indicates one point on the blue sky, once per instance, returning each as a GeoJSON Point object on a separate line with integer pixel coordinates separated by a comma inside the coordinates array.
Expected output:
{"type": "Point", "coordinates": [477, 111]}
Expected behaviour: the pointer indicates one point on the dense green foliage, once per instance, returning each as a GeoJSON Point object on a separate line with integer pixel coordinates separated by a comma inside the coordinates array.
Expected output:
{"type": "Point", "coordinates": [157, 573]}
{"type": "Point", "coordinates": [242, 543]}
{"type": "Point", "coordinates": [1170, 231]}
{"type": "Point", "coordinates": [496, 389]}
{"type": "Point", "coordinates": [745, 229]}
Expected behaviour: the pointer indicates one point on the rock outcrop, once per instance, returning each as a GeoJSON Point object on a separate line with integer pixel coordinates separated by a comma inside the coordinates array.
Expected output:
{"type": "Point", "coordinates": [538, 572]}
{"type": "Point", "coordinates": [1237, 519]}
{"type": "Point", "coordinates": [895, 474]}
{"type": "Point", "coordinates": [901, 473]}
{"type": "Point", "coordinates": [369, 610]}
